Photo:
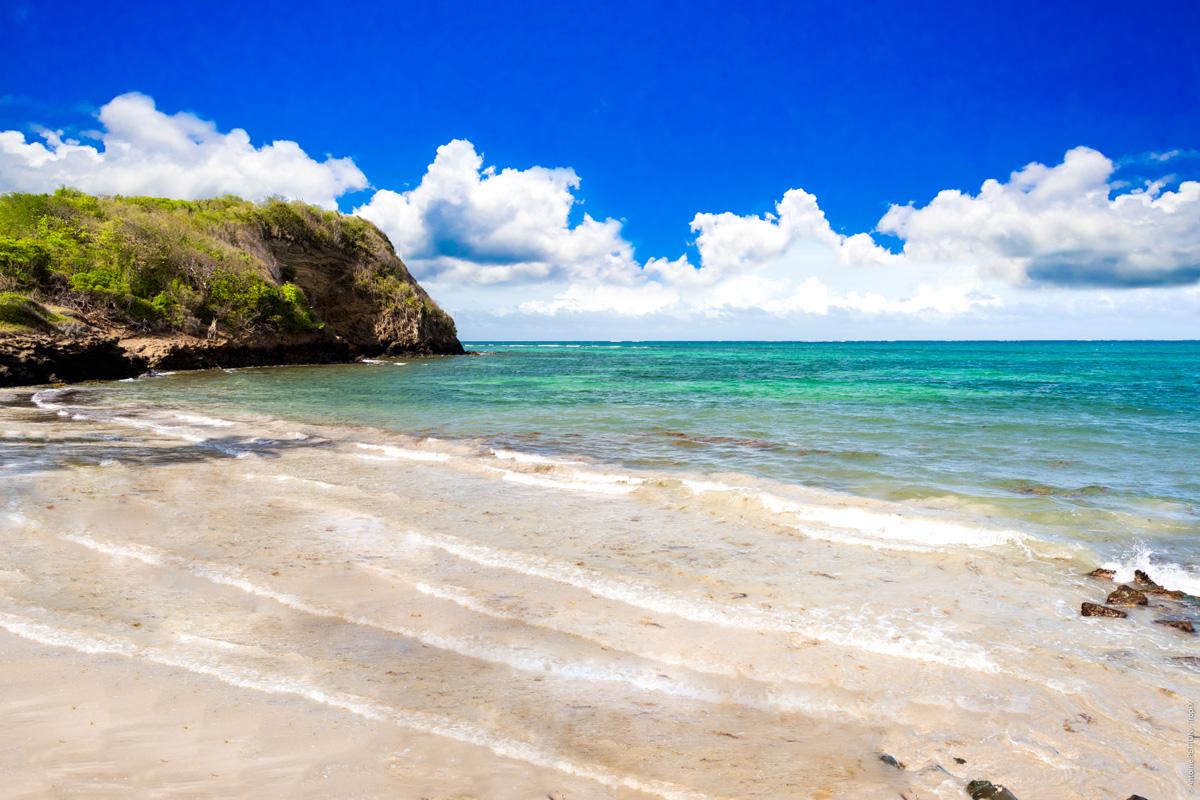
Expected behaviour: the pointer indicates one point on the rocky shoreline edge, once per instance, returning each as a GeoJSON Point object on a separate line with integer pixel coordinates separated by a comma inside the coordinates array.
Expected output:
{"type": "Point", "coordinates": [32, 359]}
{"type": "Point", "coordinates": [1182, 610]}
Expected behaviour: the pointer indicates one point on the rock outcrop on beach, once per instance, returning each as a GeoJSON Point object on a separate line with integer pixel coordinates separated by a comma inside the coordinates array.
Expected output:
{"type": "Point", "coordinates": [107, 287]}
{"type": "Point", "coordinates": [986, 790]}
{"type": "Point", "coordinates": [1126, 596]}
{"type": "Point", "coordinates": [1097, 610]}
{"type": "Point", "coordinates": [1138, 596]}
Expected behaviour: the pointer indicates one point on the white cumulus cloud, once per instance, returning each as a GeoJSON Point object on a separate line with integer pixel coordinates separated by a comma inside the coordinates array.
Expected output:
{"type": "Point", "coordinates": [1068, 242]}
{"type": "Point", "coordinates": [466, 225]}
{"type": "Point", "coordinates": [470, 224]}
{"type": "Point", "coordinates": [1071, 226]}
{"type": "Point", "coordinates": [143, 151]}
{"type": "Point", "coordinates": [1065, 225]}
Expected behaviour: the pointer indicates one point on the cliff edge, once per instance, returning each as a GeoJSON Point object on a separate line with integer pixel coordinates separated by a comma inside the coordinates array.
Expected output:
{"type": "Point", "coordinates": [109, 287]}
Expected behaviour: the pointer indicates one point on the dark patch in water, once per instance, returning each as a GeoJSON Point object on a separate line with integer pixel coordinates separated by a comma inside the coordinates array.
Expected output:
{"type": "Point", "coordinates": [1035, 489]}
{"type": "Point", "coordinates": [681, 439]}
{"type": "Point", "coordinates": [46, 455]}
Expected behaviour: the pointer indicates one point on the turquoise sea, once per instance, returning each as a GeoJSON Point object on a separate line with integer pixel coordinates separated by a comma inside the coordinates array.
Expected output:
{"type": "Point", "coordinates": [1091, 441]}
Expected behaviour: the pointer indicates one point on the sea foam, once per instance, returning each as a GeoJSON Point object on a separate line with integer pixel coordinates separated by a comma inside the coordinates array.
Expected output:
{"type": "Point", "coordinates": [933, 648]}
{"type": "Point", "coordinates": [403, 453]}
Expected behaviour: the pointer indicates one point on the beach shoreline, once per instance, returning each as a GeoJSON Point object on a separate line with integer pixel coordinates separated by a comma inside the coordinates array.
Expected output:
{"type": "Point", "coordinates": [675, 638]}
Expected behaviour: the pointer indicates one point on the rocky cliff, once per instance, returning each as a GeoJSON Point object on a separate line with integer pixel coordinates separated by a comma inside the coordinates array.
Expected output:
{"type": "Point", "coordinates": [106, 287]}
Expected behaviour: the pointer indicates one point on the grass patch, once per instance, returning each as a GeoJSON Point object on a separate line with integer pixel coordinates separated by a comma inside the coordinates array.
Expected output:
{"type": "Point", "coordinates": [158, 265]}
{"type": "Point", "coordinates": [18, 312]}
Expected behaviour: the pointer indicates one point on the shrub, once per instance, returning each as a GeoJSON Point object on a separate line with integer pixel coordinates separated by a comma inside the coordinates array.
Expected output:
{"type": "Point", "coordinates": [170, 262]}
{"type": "Point", "coordinates": [23, 262]}
{"type": "Point", "coordinates": [23, 312]}
{"type": "Point", "coordinates": [245, 301]}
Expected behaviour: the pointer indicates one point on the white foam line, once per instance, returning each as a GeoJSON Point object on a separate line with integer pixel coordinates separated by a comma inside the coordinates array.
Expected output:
{"type": "Point", "coordinates": [774, 697]}
{"type": "Point", "coordinates": [422, 722]}
{"type": "Point", "coordinates": [946, 652]}
{"type": "Point", "coordinates": [568, 486]}
{"type": "Point", "coordinates": [522, 660]}
{"type": "Point", "coordinates": [844, 538]}
{"type": "Point", "coordinates": [876, 529]}
{"type": "Point", "coordinates": [119, 551]}
{"type": "Point", "coordinates": [530, 458]}
{"type": "Point", "coordinates": [165, 430]}
{"type": "Point", "coordinates": [200, 419]}
{"type": "Point", "coordinates": [45, 399]}
{"type": "Point", "coordinates": [208, 642]}
{"type": "Point", "coordinates": [402, 453]}
{"type": "Point", "coordinates": [281, 478]}
{"type": "Point", "coordinates": [466, 601]}
{"type": "Point", "coordinates": [604, 477]}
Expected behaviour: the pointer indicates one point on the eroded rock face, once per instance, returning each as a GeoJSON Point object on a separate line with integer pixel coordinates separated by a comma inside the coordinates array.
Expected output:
{"type": "Point", "coordinates": [361, 298]}
{"type": "Point", "coordinates": [189, 352]}
{"type": "Point", "coordinates": [1125, 595]}
{"type": "Point", "coordinates": [367, 297]}
{"type": "Point", "coordinates": [1097, 610]}
{"type": "Point", "coordinates": [34, 359]}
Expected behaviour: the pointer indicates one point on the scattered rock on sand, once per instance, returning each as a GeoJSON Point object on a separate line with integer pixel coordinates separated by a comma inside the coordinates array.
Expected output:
{"type": "Point", "coordinates": [890, 761]}
{"type": "Point", "coordinates": [1097, 610]}
{"type": "Point", "coordinates": [1126, 595]}
{"type": "Point", "coordinates": [1184, 625]}
{"type": "Point", "coordinates": [986, 790]}
{"type": "Point", "coordinates": [1101, 572]}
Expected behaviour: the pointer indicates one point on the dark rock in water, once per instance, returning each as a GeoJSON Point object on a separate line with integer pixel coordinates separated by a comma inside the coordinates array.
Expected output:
{"type": "Point", "coordinates": [1191, 662]}
{"type": "Point", "coordinates": [1147, 584]}
{"type": "Point", "coordinates": [986, 790]}
{"type": "Point", "coordinates": [1097, 610]}
{"type": "Point", "coordinates": [958, 760]}
{"type": "Point", "coordinates": [1184, 625]}
{"type": "Point", "coordinates": [891, 761]}
{"type": "Point", "coordinates": [1143, 581]}
{"type": "Point", "coordinates": [1125, 595]}
{"type": "Point", "coordinates": [1101, 572]}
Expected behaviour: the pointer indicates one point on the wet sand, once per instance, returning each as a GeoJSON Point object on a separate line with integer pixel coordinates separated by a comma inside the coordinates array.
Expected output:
{"type": "Point", "coordinates": [192, 606]}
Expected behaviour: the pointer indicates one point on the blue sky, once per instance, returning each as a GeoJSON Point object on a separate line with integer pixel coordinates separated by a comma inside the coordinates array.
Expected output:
{"type": "Point", "coordinates": [650, 114]}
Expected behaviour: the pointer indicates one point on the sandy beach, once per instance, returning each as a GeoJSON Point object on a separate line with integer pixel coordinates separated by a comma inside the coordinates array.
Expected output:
{"type": "Point", "coordinates": [195, 605]}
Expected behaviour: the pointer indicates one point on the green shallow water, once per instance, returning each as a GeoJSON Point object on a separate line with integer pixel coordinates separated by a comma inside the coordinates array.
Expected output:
{"type": "Point", "coordinates": [1092, 441]}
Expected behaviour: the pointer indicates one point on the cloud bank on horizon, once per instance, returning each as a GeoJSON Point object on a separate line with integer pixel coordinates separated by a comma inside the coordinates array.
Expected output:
{"type": "Point", "coordinates": [1059, 250]}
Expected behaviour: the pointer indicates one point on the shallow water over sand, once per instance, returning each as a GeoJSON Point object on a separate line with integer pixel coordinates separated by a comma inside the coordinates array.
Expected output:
{"type": "Point", "coordinates": [252, 606]}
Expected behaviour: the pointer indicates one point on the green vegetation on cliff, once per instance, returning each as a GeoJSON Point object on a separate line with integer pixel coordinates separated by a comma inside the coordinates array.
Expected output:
{"type": "Point", "coordinates": [159, 266]}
